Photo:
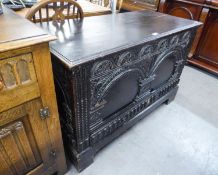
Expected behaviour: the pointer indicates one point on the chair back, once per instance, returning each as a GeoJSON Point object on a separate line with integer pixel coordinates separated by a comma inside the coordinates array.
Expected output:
{"type": "Point", "coordinates": [54, 10]}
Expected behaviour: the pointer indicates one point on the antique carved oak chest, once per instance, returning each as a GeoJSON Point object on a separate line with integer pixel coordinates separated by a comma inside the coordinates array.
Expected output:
{"type": "Point", "coordinates": [111, 71]}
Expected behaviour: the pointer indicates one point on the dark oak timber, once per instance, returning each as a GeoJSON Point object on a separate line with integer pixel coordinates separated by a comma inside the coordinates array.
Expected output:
{"type": "Point", "coordinates": [110, 71]}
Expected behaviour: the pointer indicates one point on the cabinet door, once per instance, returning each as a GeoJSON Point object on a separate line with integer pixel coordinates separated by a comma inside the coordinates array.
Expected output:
{"type": "Point", "coordinates": [27, 142]}
{"type": "Point", "coordinates": [208, 48]}
{"type": "Point", "coordinates": [24, 141]}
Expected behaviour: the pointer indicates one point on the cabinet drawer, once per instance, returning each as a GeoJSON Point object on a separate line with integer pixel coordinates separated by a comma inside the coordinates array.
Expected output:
{"type": "Point", "coordinates": [18, 82]}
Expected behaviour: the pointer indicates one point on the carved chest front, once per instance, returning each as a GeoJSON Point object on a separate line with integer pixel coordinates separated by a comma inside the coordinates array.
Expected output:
{"type": "Point", "coordinates": [108, 79]}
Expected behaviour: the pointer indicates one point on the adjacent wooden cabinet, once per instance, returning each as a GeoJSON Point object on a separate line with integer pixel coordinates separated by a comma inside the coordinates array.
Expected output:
{"type": "Point", "coordinates": [204, 52]}
{"type": "Point", "coordinates": [30, 136]}
{"type": "Point", "coordinates": [207, 49]}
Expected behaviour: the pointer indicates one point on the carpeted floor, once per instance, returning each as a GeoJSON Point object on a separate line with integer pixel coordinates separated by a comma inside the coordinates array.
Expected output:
{"type": "Point", "coordinates": [176, 139]}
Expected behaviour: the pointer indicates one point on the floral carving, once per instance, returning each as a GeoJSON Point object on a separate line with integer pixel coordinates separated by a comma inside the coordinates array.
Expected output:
{"type": "Point", "coordinates": [145, 52]}
{"type": "Point", "coordinates": [174, 40]}
{"type": "Point", "coordinates": [102, 67]}
{"type": "Point", "coordinates": [186, 39]}
{"type": "Point", "coordinates": [162, 45]}
{"type": "Point", "coordinates": [125, 59]}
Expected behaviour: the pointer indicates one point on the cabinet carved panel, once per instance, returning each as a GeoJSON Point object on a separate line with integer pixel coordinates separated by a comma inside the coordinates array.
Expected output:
{"type": "Point", "coordinates": [21, 142]}
{"type": "Point", "coordinates": [16, 154]}
{"type": "Point", "coordinates": [17, 80]}
{"type": "Point", "coordinates": [17, 71]}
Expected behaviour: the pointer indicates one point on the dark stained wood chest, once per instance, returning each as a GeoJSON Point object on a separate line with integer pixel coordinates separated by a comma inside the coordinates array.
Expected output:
{"type": "Point", "coordinates": [111, 71]}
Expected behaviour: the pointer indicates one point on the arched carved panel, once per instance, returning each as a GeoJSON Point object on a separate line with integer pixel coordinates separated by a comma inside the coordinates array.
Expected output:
{"type": "Point", "coordinates": [23, 71]}
{"type": "Point", "coordinates": [118, 92]}
{"type": "Point", "coordinates": [165, 67]}
{"type": "Point", "coordinates": [18, 81]}
{"type": "Point", "coordinates": [156, 63]}
{"type": "Point", "coordinates": [16, 71]}
{"type": "Point", "coordinates": [8, 75]}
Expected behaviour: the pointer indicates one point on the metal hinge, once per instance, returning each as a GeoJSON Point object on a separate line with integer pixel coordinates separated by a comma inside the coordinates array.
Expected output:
{"type": "Point", "coordinates": [44, 113]}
